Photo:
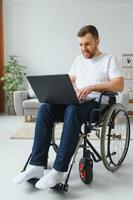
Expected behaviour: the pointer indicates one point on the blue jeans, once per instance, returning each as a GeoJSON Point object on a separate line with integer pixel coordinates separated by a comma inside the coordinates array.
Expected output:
{"type": "Point", "coordinates": [73, 117]}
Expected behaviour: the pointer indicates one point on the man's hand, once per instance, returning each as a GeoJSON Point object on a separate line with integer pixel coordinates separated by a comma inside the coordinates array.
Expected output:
{"type": "Point", "coordinates": [72, 78]}
{"type": "Point", "coordinates": [82, 93]}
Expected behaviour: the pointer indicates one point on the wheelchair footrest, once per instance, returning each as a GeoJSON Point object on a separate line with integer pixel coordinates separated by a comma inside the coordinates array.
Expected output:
{"type": "Point", "coordinates": [60, 187]}
{"type": "Point", "coordinates": [33, 181]}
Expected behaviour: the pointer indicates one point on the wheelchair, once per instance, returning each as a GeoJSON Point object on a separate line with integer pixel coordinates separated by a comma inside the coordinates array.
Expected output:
{"type": "Point", "coordinates": [111, 126]}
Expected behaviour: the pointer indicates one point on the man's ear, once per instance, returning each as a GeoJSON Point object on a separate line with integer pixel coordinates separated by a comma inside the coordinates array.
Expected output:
{"type": "Point", "coordinates": [98, 41]}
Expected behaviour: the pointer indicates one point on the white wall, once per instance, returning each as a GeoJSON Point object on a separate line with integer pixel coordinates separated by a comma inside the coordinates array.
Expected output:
{"type": "Point", "coordinates": [43, 32]}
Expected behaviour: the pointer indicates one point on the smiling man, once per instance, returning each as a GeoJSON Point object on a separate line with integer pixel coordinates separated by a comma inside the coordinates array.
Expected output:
{"type": "Point", "coordinates": [94, 71]}
{"type": "Point", "coordinates": [91, 73]}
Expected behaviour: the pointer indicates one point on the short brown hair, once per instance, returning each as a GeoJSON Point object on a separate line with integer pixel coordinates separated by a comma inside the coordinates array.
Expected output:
{"type": "Point", "coordinates": [88, 29]}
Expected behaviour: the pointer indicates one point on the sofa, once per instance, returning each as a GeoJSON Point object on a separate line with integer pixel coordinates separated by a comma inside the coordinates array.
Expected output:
{"type": "Point", "coordinates": [26, 103]}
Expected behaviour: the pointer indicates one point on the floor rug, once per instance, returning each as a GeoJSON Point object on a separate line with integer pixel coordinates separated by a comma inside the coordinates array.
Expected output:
{"type": "Point", "coordinates": [27, 131]}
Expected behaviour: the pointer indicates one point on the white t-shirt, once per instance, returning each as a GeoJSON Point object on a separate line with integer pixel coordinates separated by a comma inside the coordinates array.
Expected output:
{"type": "Point", "coordinates": [100, 69]}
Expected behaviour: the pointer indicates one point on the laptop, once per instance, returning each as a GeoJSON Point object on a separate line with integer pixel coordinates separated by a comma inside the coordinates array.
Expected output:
{"type": "Point", "coordinates": [55, 89]}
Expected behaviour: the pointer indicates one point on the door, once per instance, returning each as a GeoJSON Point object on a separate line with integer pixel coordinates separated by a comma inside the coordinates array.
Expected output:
{"type": "Point", "coordinates": [1, 57]}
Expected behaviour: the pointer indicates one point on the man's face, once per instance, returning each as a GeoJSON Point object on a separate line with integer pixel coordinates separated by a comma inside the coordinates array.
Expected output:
{"type": "Point", "coordinates": [88, 45]}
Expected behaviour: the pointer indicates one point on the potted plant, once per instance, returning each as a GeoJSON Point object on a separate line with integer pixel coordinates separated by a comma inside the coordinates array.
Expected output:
{"type": "Point", "coordinates": [13, 80]}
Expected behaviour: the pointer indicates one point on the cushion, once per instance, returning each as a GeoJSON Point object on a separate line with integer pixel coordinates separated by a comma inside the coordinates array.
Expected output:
{"type": "Point", "coordinates": [31, 92]}
{"type": "Point", "coordinates": [31, 103]}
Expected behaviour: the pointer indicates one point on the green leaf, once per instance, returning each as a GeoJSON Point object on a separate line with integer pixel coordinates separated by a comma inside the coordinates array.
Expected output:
{"type": "Point", "coordinates": [13, 74]}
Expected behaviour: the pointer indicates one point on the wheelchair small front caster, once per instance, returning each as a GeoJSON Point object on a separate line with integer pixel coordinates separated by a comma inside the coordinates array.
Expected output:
{"type": "Point", "coordinates": [60, 187]}
{"type": "Point", "coordinates": [86, 170]}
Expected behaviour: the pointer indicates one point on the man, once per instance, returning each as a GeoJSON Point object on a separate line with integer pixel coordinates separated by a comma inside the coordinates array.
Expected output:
{"type": "Point", "coordinates": [91, 73]}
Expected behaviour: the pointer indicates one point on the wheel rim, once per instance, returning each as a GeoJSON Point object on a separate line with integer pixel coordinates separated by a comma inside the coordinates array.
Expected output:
{"type": "Point", "coordinates": [115, 137]}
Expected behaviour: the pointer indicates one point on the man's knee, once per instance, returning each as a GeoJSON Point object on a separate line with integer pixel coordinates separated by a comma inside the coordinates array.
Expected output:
{"type": "Point", "coordinates": [72, 110]}
{"type": "Point", "coordinates": [46, 107]}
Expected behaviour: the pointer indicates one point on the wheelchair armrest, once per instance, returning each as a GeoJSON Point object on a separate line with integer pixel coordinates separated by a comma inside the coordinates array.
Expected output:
{"type": "Point", "coordinates": [110, 94]}
{"type": "Point", "coordinates": [102, 107]}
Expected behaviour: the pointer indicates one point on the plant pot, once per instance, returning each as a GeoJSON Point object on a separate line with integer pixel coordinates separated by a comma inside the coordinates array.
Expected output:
{"type": "Point", "coordinates": [11, 110]}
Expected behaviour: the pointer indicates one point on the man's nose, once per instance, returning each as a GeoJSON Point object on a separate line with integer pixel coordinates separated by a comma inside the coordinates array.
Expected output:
{"type": "Point", "coordinates": [84, 48]}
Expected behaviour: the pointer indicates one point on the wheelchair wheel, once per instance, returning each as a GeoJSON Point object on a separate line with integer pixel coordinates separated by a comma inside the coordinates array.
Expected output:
{"type": "Point", "coordinates": [115, 137]}
{"type": "Point", "coordinates": [86, 170]}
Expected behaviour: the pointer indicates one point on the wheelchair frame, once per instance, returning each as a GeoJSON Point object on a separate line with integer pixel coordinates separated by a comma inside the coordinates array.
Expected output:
{"type": "Point", "coordinates": [90, 154]}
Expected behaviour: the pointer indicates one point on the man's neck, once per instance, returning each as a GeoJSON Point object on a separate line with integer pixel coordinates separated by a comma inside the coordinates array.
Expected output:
{"type": "Point", "coordinates": [98, 53]}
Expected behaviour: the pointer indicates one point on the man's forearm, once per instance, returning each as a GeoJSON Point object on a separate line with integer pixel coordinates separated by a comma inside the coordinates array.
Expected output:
{"type": "Point", "coordinates": [114, 86]}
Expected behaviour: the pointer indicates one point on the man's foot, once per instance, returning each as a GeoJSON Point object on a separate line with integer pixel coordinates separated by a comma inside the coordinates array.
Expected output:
{"type": "Point", "coordinates": [31, 172]}
{"type": "Point", "coordinates": [50, 180]}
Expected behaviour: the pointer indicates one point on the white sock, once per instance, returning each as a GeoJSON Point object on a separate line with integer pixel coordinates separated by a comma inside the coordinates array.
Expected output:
{"type": "Point", "coordinates": [32, 171]}
{"type": "Point", "coordinates": [50, 180]}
